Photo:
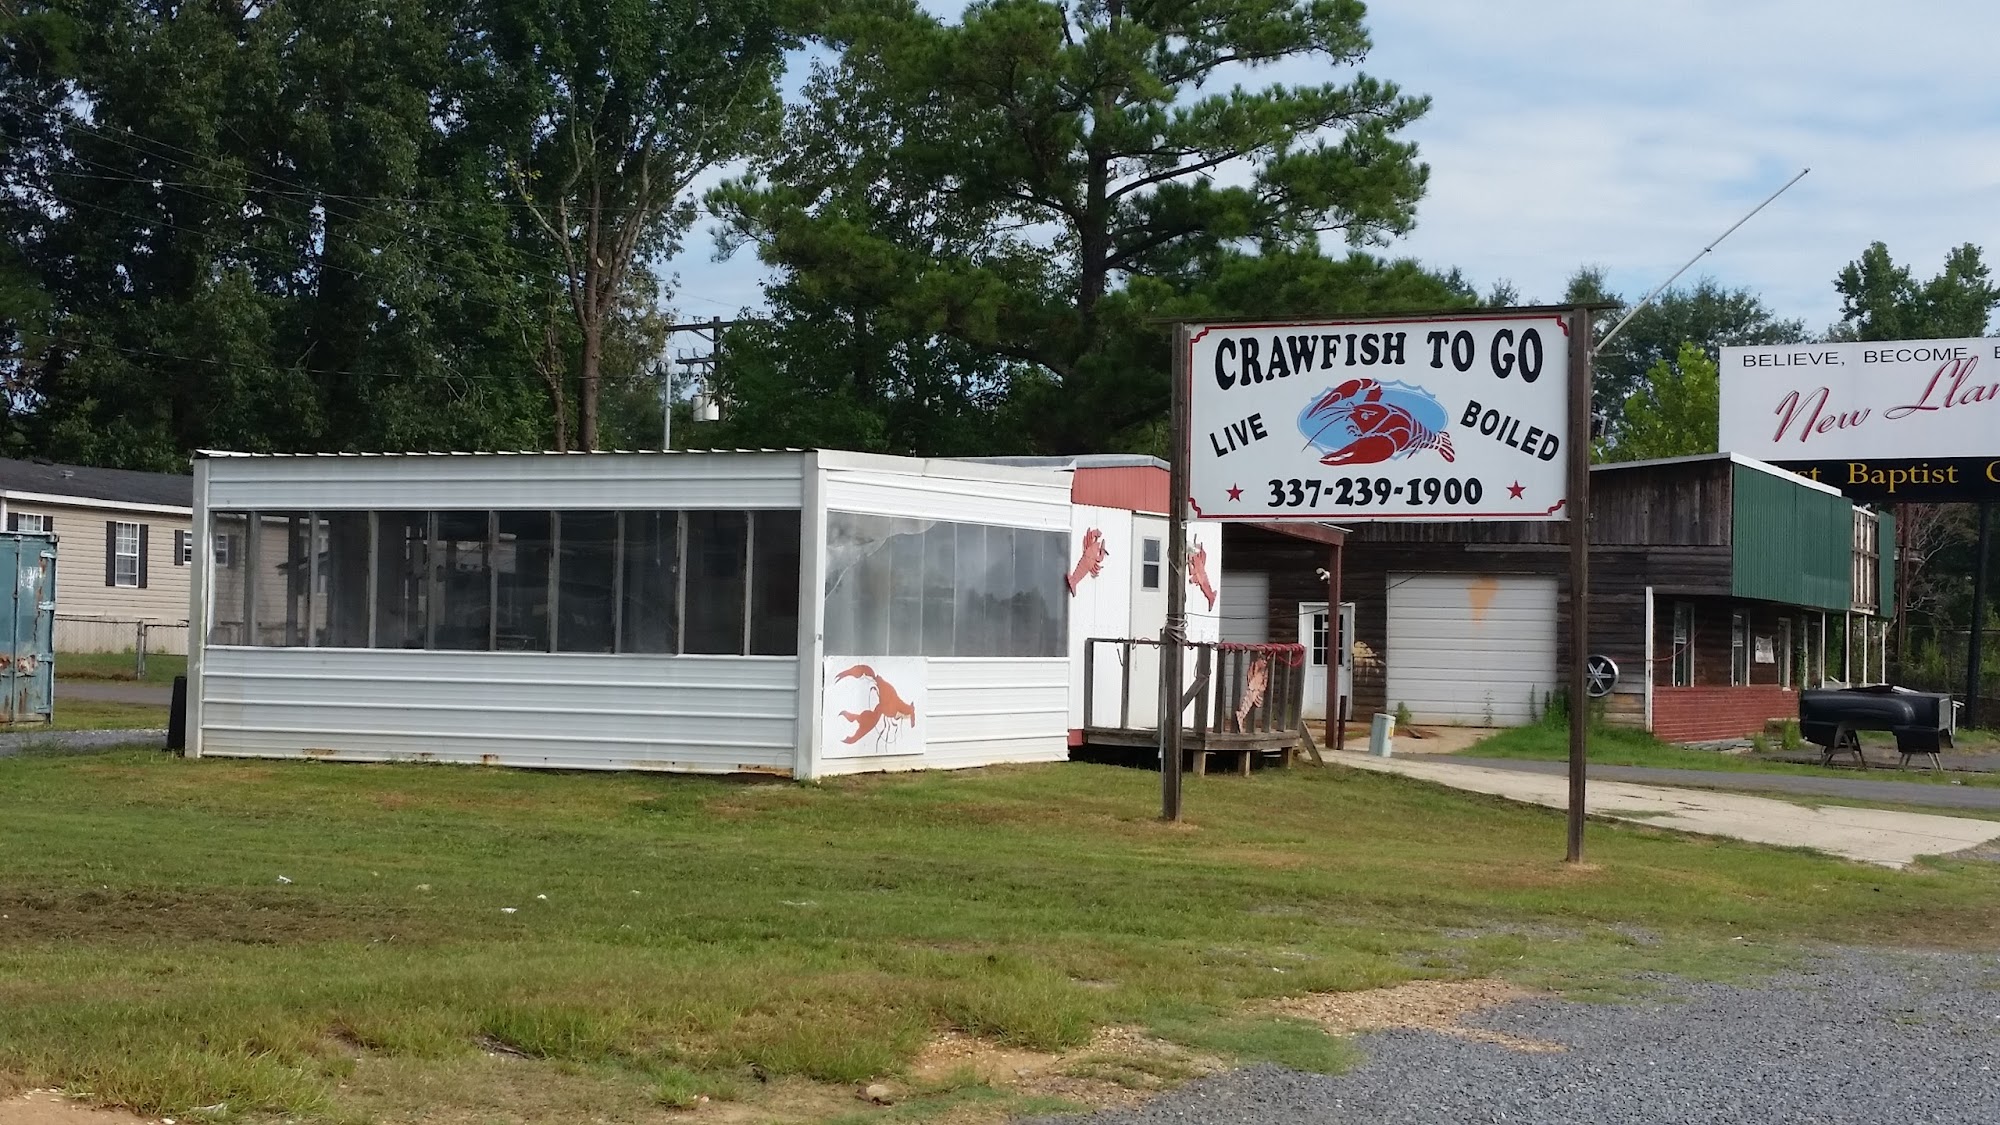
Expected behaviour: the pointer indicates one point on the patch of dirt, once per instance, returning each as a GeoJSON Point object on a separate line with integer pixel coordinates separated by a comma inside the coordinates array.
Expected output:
{"type": "Point", "coordinates": [47, 1107]}
{"type": "Point", "coordinates": [249, 916]}
{"type": "Point", "coordinates": [1118, 1067]}
{"type": "Point", "coordinates": [1426, 1005]}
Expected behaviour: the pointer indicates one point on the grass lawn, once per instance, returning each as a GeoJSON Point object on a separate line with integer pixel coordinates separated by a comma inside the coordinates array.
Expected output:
{"type": "Point", "coordinates": [342, 943]}
{"type": "Point", "coordinates": [161, 668]}
{"type": "Point", "coordinates": [1622, 746]}
{"type": "Point", "coordinates": [94, 714]}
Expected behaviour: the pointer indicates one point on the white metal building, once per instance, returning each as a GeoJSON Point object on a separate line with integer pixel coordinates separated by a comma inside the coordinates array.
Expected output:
{"type": "Point", "coordinates": [786, 612]}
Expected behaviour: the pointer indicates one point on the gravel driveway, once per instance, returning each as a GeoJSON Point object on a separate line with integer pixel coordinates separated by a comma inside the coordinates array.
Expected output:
{"type": "Point", "coordinates": [1874, 1038]}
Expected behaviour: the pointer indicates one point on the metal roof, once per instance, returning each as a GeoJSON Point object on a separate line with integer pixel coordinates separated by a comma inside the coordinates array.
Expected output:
{"type": "Point", "coordinates": [86, 482]}
{"type": "Point", "coordinates": [1078, 461]}
{"type": "Point", "coordinates": [220, 453]}
{"type": "Point", "coordinates": [1734, 458]}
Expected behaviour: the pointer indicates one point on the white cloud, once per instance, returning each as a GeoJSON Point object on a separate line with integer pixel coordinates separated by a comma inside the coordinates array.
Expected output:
{"type": "Point", "coordinates": [1629, 135]}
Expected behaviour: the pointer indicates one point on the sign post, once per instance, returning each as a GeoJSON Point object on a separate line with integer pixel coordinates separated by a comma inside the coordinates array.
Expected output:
{"type": "Point", "coordinates": [1477, 415]}
{"type": "Point", "coordinates": [1579, 573]}
{"type": "Point", "coordinates": [1174, 630]}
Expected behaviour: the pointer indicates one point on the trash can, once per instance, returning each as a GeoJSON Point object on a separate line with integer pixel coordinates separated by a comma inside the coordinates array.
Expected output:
{"type": "Point", "coordinates": [1381, 736]}
{"type": "Point", "coordinates": [177, 717]}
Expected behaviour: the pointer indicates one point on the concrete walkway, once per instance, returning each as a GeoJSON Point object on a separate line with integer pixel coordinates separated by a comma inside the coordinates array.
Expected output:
{"type": "Point", "coordinates": [1855, 787]}
{"type": "Point", "coordinates": [1879, 836]}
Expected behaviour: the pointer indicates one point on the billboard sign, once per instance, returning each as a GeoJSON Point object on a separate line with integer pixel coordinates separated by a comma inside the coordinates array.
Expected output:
{"type": "Point", "coordinates": [1894, 421]}
{"type": "Point", "coordinates": [1453, 417]}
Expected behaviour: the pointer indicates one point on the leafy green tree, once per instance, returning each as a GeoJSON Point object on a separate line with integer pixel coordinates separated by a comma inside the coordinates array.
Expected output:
{"type": "Point", "coordinates": [251, 233]}
{"type": "Point", "coordinates": [1705, 314]}
{"type": "Point", "coordinates": [1880, 300]}
{"type": "Point", "coordinates": [1675, 413]}
{"type": "Point", "coordinates": [998, 179]}
{"type": "Point", "coordinates": [606, 111]}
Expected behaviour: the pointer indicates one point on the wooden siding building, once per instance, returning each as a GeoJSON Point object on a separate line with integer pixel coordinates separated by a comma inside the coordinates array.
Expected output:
{"type": "Point", "coordinates": [1719, 587]}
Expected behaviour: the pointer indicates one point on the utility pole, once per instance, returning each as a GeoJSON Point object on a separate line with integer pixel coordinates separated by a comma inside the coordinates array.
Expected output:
{"type": "Point", "coordinates": [712, 327]}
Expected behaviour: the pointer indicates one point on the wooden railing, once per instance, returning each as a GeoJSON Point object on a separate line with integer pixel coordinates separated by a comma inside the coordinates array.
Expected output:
{"type": "Point", "coordinates": [1241, 693]}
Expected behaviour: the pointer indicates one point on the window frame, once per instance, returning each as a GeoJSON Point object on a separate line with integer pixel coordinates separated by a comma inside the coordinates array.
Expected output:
{"type": "Point", "coordinates": [749, 641]}
{"type": "Point", "coordinates": [42, 521]}
{"type": "Point", "coordinates": [1681, 657]}
{"type": "Point", "coordinates": [119, 554]}
{"type": "Point", "coordinates": [1152, 553]}
{"type": "Point", "coordinates": [1739, 649]}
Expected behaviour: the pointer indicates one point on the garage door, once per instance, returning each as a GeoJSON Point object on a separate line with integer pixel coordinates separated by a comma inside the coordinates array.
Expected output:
{"type": "Point", "coordinates": [1246, 607]}
{"type": "Point", "coordinates": [1464, 647]}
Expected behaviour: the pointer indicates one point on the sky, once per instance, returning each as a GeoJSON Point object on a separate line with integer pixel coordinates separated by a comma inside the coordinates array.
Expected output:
{"type": "Point", "coordinates": [1629, 135]}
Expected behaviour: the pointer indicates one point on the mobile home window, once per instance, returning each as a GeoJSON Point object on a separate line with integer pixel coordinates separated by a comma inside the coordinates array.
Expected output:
{"type": "Point", "coordinates": [1739, 650]}
{"type": "Point", "coordinates": [1149, 564]}
{"type": "Point", "coordinates": [1683, 660]}
{"type": "Point", "coordinates": [27, 521]}
{"type": "Point", "coordinates": [125, 569]}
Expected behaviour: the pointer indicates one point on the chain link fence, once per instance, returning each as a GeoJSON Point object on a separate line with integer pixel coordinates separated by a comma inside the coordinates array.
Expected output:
{"type": "Point", "coordinates": [74, 634]}
{"type": "Point", "coordinates": [1936, 661]}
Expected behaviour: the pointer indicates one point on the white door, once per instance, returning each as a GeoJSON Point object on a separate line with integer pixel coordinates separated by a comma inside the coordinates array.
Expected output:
{"type": "Point", "coordinates": [1312, 634]}
{"type": "Point", "coordinates": [1246, 607]}
{"type": "Point", "coordinates": [1470, 648]}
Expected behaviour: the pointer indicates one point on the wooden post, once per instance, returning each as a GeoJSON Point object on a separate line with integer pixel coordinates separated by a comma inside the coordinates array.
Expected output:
{"type": "Point", "coordinates": [1975, 654]}
{"type": "Point", "coordinates": [1125, 685]}
{"type": "Point", "coordinates": [1204, 667]}
{"type": "Point", "coordinates": [1337, 730]}
{"type": "Point", "coordinates": [1089, 674]}
{"type": "Point", "coordinates": [1579, 570]}
{"type": "Point", "coordinates": [1175, 629]}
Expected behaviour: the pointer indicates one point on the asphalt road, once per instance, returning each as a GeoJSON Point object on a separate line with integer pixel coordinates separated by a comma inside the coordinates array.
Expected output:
{"type": "Point", "coordinates": [1871, 1038]}
{"type": "Point", "coordinates": [1854, 788]}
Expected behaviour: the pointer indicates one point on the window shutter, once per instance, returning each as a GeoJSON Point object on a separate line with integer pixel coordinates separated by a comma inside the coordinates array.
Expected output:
{"type": "Point", "coordinates": [110, 553]}
{"type": "Point", "coordinates": [142, 555]}
{"type": "Point", "coordinates": [13, 521]}
{"type": "Point", "coordinates": [180, 548]}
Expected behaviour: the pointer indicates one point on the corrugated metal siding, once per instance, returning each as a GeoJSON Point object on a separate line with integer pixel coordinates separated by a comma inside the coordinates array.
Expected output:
{"type": "Point", "coordinates": [568, 711]}
{"type": "Point", "coordinates": [1886, 536]}
{"type": "Point", "coordinates": [983, 712]}
{"type": "Point", "coordinates": [1008, 500]}
{"type": "Point", "coordinates": [1790, 543]}
{"type": "Point", "coordinates": [1466, 646]}
{"type": "Point", "coordinates": [587, 481]}
{"type": "Point", "coordinates": [1135, 488]}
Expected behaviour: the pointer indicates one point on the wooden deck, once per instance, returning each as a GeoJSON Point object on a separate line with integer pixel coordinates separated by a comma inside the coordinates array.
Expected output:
{"type": "Point", "coordinates": [1247, 702]}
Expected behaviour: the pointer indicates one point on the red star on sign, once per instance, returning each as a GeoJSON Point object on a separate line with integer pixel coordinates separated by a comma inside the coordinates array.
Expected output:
{"type": "Point", "coordinates": [1515, 490]}
{"type": "Point", "coordinates": [1235, 493]}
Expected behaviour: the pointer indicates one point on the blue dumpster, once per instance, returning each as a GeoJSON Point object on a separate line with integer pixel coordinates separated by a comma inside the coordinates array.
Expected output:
{"type": "Point", "coordinates": [28, 663]}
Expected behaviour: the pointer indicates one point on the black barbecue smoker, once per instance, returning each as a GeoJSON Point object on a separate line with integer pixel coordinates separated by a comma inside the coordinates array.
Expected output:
{"type": "Point", "coordinates": [1922, 721]}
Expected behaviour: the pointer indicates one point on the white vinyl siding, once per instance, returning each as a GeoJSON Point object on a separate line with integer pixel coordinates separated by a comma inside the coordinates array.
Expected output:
{"type": "Point", "coordinates": [714, 714]}
{"type": "Point", "coordinates": [1463, 648]}
{"type": "Point", "coordinates": [92, 616]}
{"type": "Point", "coordinates": [983, 711]}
